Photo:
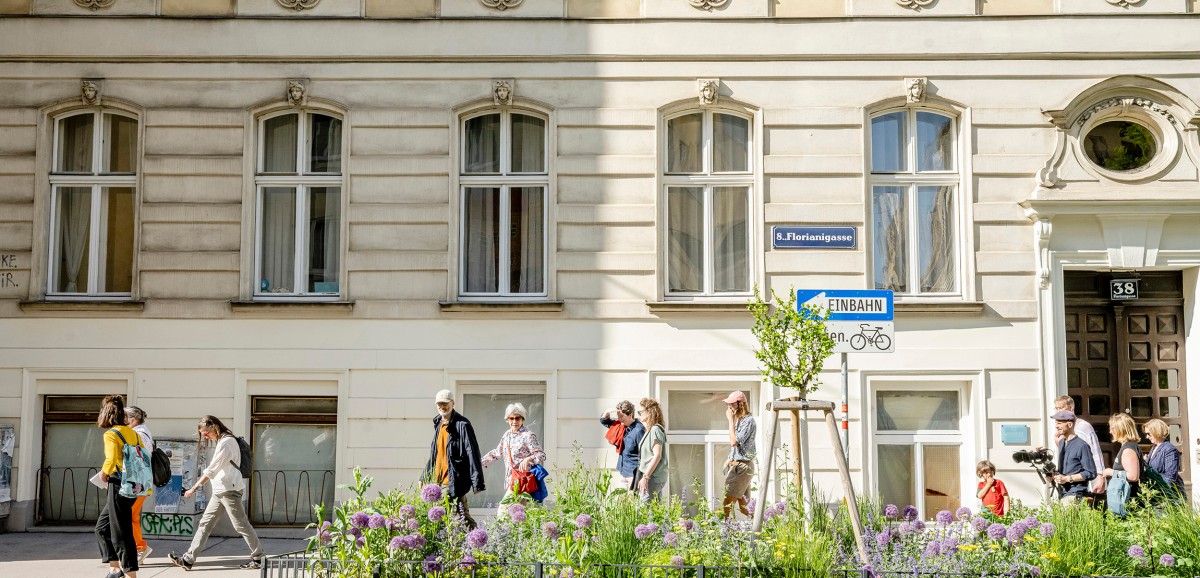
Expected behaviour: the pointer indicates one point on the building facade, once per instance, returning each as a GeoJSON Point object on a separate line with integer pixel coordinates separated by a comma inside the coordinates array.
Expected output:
{"type": "Point", "coordinates": [307, 216]}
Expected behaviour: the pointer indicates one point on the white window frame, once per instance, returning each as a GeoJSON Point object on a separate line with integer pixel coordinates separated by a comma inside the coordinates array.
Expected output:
{"type": "Point", "coordinates": [911, 179]}
{"type": "Point", "coordinates": [98, 181]}
{"type": "Point", "coordinates": [708, 179]}
{"type": "Point", "coordinates": [302, 182]}
{"type": "Point", "coordinates": [504, 180]}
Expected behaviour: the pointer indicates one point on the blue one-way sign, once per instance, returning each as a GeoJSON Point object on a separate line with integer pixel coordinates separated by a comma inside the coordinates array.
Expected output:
{"type": "Point", "coordinates": [849, 305]}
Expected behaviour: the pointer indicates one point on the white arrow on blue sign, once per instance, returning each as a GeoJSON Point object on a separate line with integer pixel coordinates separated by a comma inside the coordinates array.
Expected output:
{"type": "Point", "coordinates": [849, 305]}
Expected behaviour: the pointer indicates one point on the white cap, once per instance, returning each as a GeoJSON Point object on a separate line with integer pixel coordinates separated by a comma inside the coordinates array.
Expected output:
{"type": "Point", "coordinates": [444, 396]}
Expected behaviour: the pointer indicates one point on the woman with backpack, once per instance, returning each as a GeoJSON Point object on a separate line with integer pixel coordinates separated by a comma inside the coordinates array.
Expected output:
{"type": "Point", "coordinates": [1126, 471]}
{"type": "Point", "coordinates": [114, 527]}
{"type": "Point", "coordinates": [227, 488]}
{"type": "Point", "coordinates": [135, 418]}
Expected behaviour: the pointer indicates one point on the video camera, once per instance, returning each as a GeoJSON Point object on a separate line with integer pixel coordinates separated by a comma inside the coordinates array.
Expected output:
{"type": "Point", "coordinates": [1042, 462]}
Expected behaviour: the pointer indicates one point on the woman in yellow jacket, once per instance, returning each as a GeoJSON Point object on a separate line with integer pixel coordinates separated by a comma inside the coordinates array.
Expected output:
{"type": "Point", "coordinates": [114, 527]}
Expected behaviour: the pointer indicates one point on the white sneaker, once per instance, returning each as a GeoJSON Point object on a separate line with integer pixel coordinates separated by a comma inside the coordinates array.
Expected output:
{"type": "Point", "coordinates": [142, 555]}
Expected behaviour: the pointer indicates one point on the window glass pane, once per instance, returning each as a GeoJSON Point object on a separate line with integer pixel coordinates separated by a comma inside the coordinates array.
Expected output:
{"type": "Point", "coordinates": [278, 241]}
{"type": "Point", "coordinates": [897, 482]}
{"type": "Point", "coordinates": [685, 239]}
{"type": "Point", "coordinates": [935, 142]}
{"type": "Point", "coordinates": [482, 143]}
{"type": "Point", "coordinates": [935, 238]}
{"type": "Point", "coordinates": [686, 476]}
{"type": "Point", "coordinates": [528, 144]}
{"type": "Point", "coordinates": [486, 412]}
{"type": "Point", "coordinates": [890, 243]}
{"type": "Point", "coordinates": [293, 471]}
{"type": "Point", "coordinates": [731, 143]}
{"type": "Point", "coordinates": [481, 240]}
{"type": "Point", "coordinates": [527, 240]}
{"type": "Point", "coordinates": [120, 140]}
{"type": "Point", "coordinates": [118, 241]}
{"type": "Point", "coordinates": [279, 143]}
{"type": "Point", "coordinates": [324, 239]}
{"type": "Point", "coordinates": [698, 411]}
{"type": "Point", "coordinates": [73, 453]}
{"type": "Point", "coordinates": [325, 150]}
{"type": "Point", "coordinates": [889, 134]}
{"type": "Point", "coordinates": [731, 239]}
{"type": "Point", "coordinates": [917, 410]}
{"type": "Point", "coordinates": [73, 404]}
{"type": "Point", "coordinates": [685, 144]}
{"type": "Point", "coordinates": [295, 405]}
{"type": "Point", "coordinates": [75, 144]}
{"type": "Point", "coordinates": [72, 241]}
{"type": "Point", "coordinates": [942, 483]}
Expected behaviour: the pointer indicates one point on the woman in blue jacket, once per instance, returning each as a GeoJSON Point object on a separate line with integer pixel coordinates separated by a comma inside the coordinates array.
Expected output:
{"type": "Point", "coordinates": [1163, 456]}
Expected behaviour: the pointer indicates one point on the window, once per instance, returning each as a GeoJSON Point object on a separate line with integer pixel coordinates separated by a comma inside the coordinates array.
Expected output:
{"type": "Point", "coordinates": [919, 443]}
{"type": "Point", "coordinates": [92, 205]}
{"type": "Point", "coordinates": [698, 439]}
{"type": "Point", "coordinates": [299, 205]}
{"type": "Point", "coordinates": [69, 442]}
{"type": "Point", "coordinates": [708, 176]}
{"type": "Point", "coordinates": [504, 181]}
{"type": "Point", "coordinates": [485, 404]}
{"type": "Point", "coordinates": [914, 177]}
{"type": "Point", "coordinates": [293, 452]}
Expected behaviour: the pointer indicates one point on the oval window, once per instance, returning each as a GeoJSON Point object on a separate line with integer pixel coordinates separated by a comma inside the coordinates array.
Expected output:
{"type": "Point", "coordinates": [1120, 145]}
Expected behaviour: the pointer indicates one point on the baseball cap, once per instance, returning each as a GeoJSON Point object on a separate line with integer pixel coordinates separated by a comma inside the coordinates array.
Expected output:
{"type": "Point", "coordinates": [735, 396]}
{"type": "Point", "coordinates": [1063, 415]}
{"type": "Point", "coordinates": [444, 396]}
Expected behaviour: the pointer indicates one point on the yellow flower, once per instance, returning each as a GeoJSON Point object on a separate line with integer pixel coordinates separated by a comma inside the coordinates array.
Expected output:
{"type": "Point", "coordinates": [994, 546]}
{"type": "Point", "coordinates": [1030, 539]}
{"type": "Point", "coordinates": [1050, 556]}
{"type": "Point", "coordinates": [968, 547]}
{"type": "Point", "coordinates": [1074, 569]}
{"type": "Point", "coordinates": [1090, 564]}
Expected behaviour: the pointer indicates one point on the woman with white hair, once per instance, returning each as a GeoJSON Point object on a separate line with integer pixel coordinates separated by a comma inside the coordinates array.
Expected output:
{"type": "Point", "coordinates": [519, 448]}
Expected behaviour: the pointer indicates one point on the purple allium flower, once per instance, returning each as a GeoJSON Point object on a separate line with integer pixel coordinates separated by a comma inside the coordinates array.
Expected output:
{"type": "Point", "coordinates": [393, 524]}
{"type": "Point", "coordinates": [906, 528]}
{"type": "Point", "coordinates": [326, 524]}
{"type": "Point", "coordinates": [579, 535]}
{"type": "Point", "coordinates": [583, 521]}
{"type": "Point", "coordinates": [677, 561]}
{"type": "Point", "coordinates": [517, 513]}
{"type": "Point", "coordinates": [891, 512]}
{"type": "Point", "coordinates": [962, 513]}
{"type": "Point", "coordinates": [1047, 530]}
{"type": "Point", "coordinates": [949, 546]}
{"type": "Point", "coordinates": [467, 562]}
{"type": "Point", "coordinates": [652, 527]}
{"type": "Point", "coordinates": [359, 519]}
{"type": "Point", "coordinates": [909, 512]}
{"type": "Point", "coordinates": [932, 548]}
{"type": "Point", "coordinates": [376, 521]}
{"type": "Point", "coordinates": [768, 513]}
{"type": "Point", "coordinates": [408, 511]}
{"type": "Point", "coordinates": [413, 524]}
{"type": "Point", "coordinates": [687, 524]}
{"type": "Point", "coordinates": [354, 532]}
{"type": "Point", "coordinates": [477, 538]}
{"type": "Point", "coordinates": [997, 531]}
{"type": "Point", "coordinates": [751, 505]}
{"type": "Point", "coordinates": [1015, 533]}
{"type": "Point", "coordinates": [431, 565]}
{"type": "Point", "coordinates": [361, 541]}
{"type": "Point", "coordinates": [435, 513]}
{"type": "Point", "coordinates": [883, 538]}
{"type": "Point", "coordinates": [944, 517]}
{"type": "Point", "coordinates": [550, 530]}
{"type": "Point", "coordinates": [1166, 560]}
{"type": "Point", "coordinates": [397, 543]}
{"type": "Point", "coordinates": [980, 524]}
{"type": "Point", "coordinates": [1136, 551]}
{"type": "Point", "coordinates": [431, 493]}
{"type": "Point", "coordinates": [324, 537]}
{"type": "Point", "coordinates": [919, 526]}
{"type": "Point", "coordinates": [780, 507]}
{"type": "Point", "coordinates": [1035, 571]}
{"type": "Point", "coordinates": [670, 539]}
{"type": "Point", "coordinates": [641, 531]}
{"type": "Point", "coordinates": [568, 573]}
{"type": "Point", "coordinates": [416, 541]}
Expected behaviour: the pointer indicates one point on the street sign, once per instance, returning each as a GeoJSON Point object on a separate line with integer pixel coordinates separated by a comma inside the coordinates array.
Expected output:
{"type": "Point", "coordinates": [1123, 289]}
{"type": "Point", "coordinates": [813, 237]}
{"type": "Point", "coordinates": [860, 321]}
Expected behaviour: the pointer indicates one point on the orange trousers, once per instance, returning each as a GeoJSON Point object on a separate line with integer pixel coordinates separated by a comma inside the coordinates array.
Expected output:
{"type": "Point", "coordinates": [138, 540]}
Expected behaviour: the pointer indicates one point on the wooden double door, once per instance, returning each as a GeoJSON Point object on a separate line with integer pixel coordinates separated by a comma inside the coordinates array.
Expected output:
{"type": "Point", "coordinates": [1127, 356]}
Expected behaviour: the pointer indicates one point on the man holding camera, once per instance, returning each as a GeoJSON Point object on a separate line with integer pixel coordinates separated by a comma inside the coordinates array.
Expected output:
{"type": "Point", "coordinates": [1075, 464]}
{"type": "Point", "coordinates": [1087, 433]}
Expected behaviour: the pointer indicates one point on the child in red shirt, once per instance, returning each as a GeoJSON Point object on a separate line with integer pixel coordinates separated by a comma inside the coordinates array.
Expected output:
{"type": "Point", "coordinates": [991, 491]}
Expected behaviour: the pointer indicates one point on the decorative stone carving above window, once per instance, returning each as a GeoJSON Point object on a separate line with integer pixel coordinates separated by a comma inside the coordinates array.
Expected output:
{"type": "Point", "coordinates": [1127, 102]}
{"type": "Point", "coordinates": [89, 91]}
{"type": "Point", "coordinates": [298, 5]}
{"type": "Point", "coordinates": [915, 4]}
{"type": "Point", "coordinates": [297, 91]}
{"type": "Point", "coordinates": [501, 4]}
{"type": "Point", "coordinates": [914, 89]}
{"type": "Point", "coordinates": [95, 4]}
{"type": "Point", "coordinates": [710, 89]}
{"type": "Point", "coordinates": [502, 91]}
{"type": "Point", "coordinates": [1124, 3]}
{"type": "Point", "coordinates": [708, 4]}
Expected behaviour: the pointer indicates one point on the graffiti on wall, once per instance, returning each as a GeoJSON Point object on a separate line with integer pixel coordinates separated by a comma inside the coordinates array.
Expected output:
{"type": "Point", "coordinates": [168, 524]}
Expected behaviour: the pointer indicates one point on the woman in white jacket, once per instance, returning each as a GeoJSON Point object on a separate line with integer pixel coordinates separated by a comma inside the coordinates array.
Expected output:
{"type": "Point", "coordinates": [227, 488]}
{"type": "Point", "coordinates": [135, 418]}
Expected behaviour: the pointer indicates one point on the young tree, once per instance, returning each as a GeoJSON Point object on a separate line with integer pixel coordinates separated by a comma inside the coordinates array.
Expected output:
{"type": "Point", "coordinates": [793, 342]}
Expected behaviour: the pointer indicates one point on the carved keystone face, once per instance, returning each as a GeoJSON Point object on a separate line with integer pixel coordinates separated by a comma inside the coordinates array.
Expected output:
{"type": "Point", "coordinates": [1120, 145]}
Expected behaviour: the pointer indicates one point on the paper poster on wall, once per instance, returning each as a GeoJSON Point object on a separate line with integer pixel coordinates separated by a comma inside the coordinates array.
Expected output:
{"type": "Point", "coordinates": [185, 465]}
{"type": "Point", "coordinates": [8, 440]}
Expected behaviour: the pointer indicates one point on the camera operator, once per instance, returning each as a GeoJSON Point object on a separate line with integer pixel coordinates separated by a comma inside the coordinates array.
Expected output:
{"type": "Point", "coordinates": [1087, 433]}
{"type": "Point", "coordinates": [1075, 464]}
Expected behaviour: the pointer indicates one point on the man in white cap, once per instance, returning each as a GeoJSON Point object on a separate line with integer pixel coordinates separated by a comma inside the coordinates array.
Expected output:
{"type": "Point", "coordinates": [454, 462]}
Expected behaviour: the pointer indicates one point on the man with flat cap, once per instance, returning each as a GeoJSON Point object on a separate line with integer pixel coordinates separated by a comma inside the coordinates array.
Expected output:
{"type": "Point", "coordinates": [1075, 464]}
{"type": "Point", "coordinates": [454, 462]}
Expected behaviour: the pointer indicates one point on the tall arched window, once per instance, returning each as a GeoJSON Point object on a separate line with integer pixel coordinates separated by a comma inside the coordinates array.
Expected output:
{"type": "Point", "coordinates": [503, 181]}
{"type": "Point", "coordinates": [708, 176]}
{"type": "Point", "coordinates": [299, 205]}
{"type": "Point", "coordinates": [93, 204]}
{"type": "Point", "coordinates": [914, 182]}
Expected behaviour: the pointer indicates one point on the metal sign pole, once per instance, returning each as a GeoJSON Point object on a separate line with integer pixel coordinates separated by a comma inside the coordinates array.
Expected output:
{"type": "Point", "coordinates": [845, 407]}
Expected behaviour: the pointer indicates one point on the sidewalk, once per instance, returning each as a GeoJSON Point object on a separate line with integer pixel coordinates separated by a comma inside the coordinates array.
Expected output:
{"type": "Point", "coordinates": [62, 554]}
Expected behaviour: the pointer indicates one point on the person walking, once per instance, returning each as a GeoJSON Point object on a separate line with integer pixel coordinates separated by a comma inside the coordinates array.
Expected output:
{"type": "Point", "coordinates": [454, 462]}
{"type": "Point", "coordinates": [1164, 457]}
{"type": "Point", "coordinates": [114, 526]}
{"type": "Point", "coordinates": [1127, 464]}
{"type": "Point", "coordinates": [739, 466]}
{"type": "Point", "coordinates": [652, 453]}
{"type": "Point", "coordinates": [519, 447]}
{"type": "Point", "coordinates": [625, 433]}
{"type": "Point", "coordinates": [1087, 433]}
{"type": "Point", "coordinates": [135, 418]}
{"type": "Point", "coordinates": [1075, 465]}
{"type": "Point", "coordinates": [227, 488]}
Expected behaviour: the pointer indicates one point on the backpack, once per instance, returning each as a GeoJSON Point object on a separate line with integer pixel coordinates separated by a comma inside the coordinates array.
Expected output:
{"type": "Point", "coordinates": [136, 476]}
{"type": "Point", "coordinates": [160, 464]}
{"type": "Point", "coordinates": [243, 464]}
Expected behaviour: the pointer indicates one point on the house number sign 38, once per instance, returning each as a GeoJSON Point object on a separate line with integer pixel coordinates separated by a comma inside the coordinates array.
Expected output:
{"type": "Point", "coordinates": [1123, 289]}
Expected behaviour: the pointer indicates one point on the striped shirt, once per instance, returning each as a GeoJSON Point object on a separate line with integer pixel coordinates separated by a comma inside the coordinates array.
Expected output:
{"type": "Point", "coordinates": [745, 450]}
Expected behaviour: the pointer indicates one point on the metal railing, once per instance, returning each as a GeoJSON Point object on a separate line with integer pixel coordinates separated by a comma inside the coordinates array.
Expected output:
{"type": "Point", "coordinates": [64, 495]}
{"type": "Point", "coordinates": [299, 491]}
